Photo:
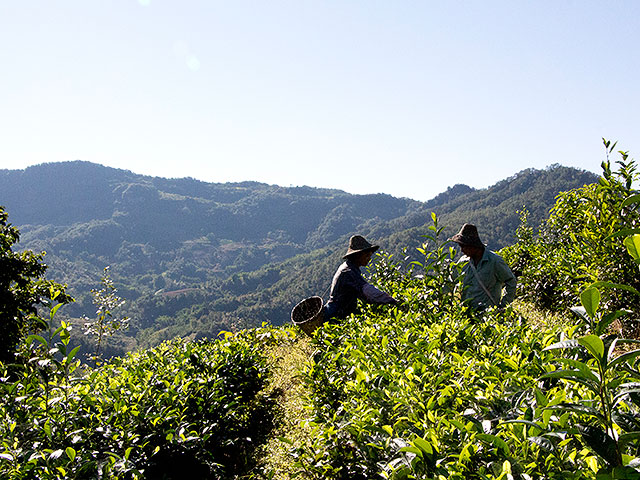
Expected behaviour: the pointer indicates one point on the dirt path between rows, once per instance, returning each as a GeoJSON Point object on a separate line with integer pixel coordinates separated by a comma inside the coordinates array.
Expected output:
{"type": "Point", "coordinates": [287, 360]}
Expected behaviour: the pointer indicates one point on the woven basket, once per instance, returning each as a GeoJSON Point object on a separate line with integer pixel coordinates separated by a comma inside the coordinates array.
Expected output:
{"type": "Point", "coordinates": [308, 314]}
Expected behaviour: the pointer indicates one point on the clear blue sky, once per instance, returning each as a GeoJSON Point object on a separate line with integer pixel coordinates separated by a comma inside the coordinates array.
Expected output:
{"type": "Point", "coordinates": [400, 97]}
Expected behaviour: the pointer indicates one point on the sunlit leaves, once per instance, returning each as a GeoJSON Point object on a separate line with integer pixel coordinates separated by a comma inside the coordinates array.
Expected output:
{"type": "Point", "coordinates": [594, 344]}
{"type": "Point", "coordinates": [200, 399]}
{"type": "Point", "coordinates": [478, 392]}
{"type": "Point", "coordinates": [633, 246]}
{"type": "Point", "coordinates": [579, 244]}
{"type": "Point", "coordinates": [437, 380]}
{"type": "Point", "coordinates": [590, 299]}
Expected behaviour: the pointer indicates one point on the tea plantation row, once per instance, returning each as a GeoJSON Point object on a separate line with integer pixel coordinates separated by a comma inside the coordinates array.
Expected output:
{"type": "Point", "coordinates": [181, 410]}
{"type": "Point", "coordinates": [427, 390]}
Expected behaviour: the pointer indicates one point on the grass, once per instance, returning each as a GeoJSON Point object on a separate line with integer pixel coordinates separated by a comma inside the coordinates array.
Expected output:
{"type": "Point", "coordinates": [287, 357]}
{"type": "Point", "coordinates": [536, 316]}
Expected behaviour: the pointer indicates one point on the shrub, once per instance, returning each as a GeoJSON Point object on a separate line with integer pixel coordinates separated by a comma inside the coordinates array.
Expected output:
{"type": "Point", "coordinates": [185, 409]}
{"type": "Point", "coordinates": [579, 243]}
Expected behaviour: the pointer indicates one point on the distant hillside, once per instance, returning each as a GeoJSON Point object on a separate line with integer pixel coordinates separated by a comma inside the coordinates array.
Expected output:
{"type": "Point", "coordinates": [192, 257]}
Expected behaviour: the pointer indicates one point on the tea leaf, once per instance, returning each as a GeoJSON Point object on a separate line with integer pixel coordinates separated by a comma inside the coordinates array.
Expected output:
{"type": "Point", "coordinates": [71, 453]}
{"type": "Point", "coordinates": [594, 344]}
{"type": "Point", "coordinates": [631, 199]}
{"type": "Point", "coordinates": [562, 345]}
{"type": "Point", "coordinates": [625, 357]}
{"type": "Point", "coordinates": [590, 299]}
{"type": "Point", "coordinates": [423, 445]}
{"type": "Point", "coordinates": [633, 246]}
{"type": "Point", "coordinates": [38, 338]}
{"type": "Point", "coordinates": [497, 441]}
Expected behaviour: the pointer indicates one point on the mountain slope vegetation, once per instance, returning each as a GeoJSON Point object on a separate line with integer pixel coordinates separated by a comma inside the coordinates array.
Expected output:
{"type": "Point", "coordinates": [424, 390]}
{"type": "Point", "coordinates": [193, 258]}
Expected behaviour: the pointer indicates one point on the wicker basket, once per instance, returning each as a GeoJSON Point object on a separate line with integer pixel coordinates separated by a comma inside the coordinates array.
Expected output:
{"type": "Point", "coordinates": [308, 314]}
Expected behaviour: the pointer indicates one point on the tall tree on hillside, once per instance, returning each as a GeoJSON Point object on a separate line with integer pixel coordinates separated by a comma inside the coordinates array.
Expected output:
{"type": "Point", "coordinates": [22, 289]}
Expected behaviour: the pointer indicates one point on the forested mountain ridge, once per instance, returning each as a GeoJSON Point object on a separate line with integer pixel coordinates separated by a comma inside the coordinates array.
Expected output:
{"type": "Point", "coordinates": [233, 254]}
{"type": "Point", "coordinates": [165, 212]}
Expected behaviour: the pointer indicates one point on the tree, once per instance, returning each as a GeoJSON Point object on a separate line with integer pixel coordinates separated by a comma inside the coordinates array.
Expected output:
{"type": "Point", "coordinates": [579, 244]}
{"type": "Point", "coordinates": [22, 289]}
{"type": "Point", "coordinates": [105, 323]}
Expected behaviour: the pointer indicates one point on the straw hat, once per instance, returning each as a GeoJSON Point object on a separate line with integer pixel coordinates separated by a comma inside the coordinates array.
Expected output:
{"type": "Point", "coordinates": [468, 235]}
{"type": "Point", "coordinates": [358, 244]}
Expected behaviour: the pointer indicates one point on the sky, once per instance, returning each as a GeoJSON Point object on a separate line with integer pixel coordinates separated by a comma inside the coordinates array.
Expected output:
{"type": "Point", "coordinates": [399, 97]}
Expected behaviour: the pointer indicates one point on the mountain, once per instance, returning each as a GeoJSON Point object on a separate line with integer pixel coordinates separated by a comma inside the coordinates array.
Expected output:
{"type": "Point", "coordinates": [192, 258]}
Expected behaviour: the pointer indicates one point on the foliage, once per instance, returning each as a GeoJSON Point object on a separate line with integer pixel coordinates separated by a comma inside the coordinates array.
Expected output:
{"type": "Point", "coordinates": [425, 393]}
{"type": "Point", "coordinates": [606, 411]}
{"type": "Point", "coordinates": [193, 258]}
{"type": "Point", "coordinates": [432, 392]}
{"type": "Point", "coordinates": [434, 277]}
{"type": "Point", "coordinates": [106, 300]}
{"type": "Point", "coordinates": [22, 289]}
{"type": "Point", "coordinates": [579, 244]}
{"type": "Point", "coordinates": [428, 390]}
{"type": "Point", "coordinates": [419, 393]}
{"type": "Point", "coordinates": [179, 410]}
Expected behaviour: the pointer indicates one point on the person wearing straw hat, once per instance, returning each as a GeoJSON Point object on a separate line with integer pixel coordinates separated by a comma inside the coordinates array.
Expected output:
{"type": "Point", "coordinates": [349, 285]}
{"type": "Point", "coordinates": [485, 274]}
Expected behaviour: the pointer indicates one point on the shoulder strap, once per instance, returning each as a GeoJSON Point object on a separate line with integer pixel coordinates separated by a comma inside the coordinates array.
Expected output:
{"type": "Point", "coordinates": [486, 290]}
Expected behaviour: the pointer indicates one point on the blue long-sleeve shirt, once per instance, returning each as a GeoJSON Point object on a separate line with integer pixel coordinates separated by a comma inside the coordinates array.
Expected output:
{"type": "Point", "coordinates": [347, 287]}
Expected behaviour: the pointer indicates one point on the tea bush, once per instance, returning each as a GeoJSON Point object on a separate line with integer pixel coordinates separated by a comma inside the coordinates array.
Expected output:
{"type": "Point", "coordinates": [426, 393]}
{"type": "Point", "coordinates": [181, 410]}
{"type": "Point", "coordinates": [424, 390]}
{"type": "Point", "coordinates": [580, 243]}
{"type": "Point", "coordinates": [433, 391]}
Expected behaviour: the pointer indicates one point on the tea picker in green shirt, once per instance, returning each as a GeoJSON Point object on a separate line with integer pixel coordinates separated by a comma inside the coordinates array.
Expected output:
{"type": "Point", "coordinates": [485, 274]}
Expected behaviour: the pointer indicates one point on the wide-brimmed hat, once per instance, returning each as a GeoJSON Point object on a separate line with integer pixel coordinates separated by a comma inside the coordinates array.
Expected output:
{"type": "Point", "coordinates": [468, 235]}
{"type": "Point", "coordinates": [358, 244]}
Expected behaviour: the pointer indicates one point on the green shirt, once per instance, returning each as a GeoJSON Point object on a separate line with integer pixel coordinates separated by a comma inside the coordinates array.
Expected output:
{"type": "Point", "coordinates": [495, 275]}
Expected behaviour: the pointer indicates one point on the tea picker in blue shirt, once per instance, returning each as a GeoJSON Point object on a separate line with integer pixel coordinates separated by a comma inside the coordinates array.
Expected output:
{"type": "Point", "coordinates": [486, 274]}
{"type": "Point", "coordinates": [349, 285]}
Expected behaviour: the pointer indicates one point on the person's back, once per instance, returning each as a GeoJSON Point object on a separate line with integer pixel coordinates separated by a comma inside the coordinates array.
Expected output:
{"type": "Point", "coordinates": [486, 273]}
{"type": "Point", "coordinates": [348, 284]}
{"type": "Point", "coordinates": [346, 288]}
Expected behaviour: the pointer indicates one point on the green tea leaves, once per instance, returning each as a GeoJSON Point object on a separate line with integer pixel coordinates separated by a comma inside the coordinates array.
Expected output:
{"type": "Point", "coordinates": [594, 344]}
{"type": "Point", "coordinates": [590, 299]}
{"type": "Point", "coordinates": [633, 246]}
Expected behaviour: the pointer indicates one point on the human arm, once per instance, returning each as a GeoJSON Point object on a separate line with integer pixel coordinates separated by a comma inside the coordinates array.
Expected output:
{"type": "Point", "coordinates": [373, 295]}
